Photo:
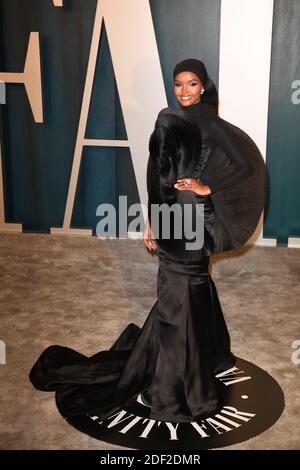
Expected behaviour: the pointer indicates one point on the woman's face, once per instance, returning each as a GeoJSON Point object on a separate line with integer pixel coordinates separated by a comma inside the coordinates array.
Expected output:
{"type": "Point", "coordinates": [187, 88]}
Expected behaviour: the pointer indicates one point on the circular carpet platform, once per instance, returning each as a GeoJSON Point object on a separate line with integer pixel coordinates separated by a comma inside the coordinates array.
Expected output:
{"type": "Point", "coordinates": [252, 401]}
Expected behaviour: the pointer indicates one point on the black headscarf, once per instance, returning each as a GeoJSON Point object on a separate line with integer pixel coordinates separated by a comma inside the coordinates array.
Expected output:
{"type": "Point", "coordinates": [210, 95]}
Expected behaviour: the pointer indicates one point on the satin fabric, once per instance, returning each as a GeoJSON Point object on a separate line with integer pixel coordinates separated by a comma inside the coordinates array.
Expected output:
{"type": "Point", "coordinates": [192, 341]}
{"type": "Point", "coordinates": [172, 360]}
{"type": "Point", "coordinates": [230, 164]}
{"type": "Point", "coordinates": [174, 357]}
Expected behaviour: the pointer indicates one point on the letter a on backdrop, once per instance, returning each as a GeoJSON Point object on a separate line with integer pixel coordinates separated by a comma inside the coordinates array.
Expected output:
{"type": "Point", "coordinates": [139, 79]}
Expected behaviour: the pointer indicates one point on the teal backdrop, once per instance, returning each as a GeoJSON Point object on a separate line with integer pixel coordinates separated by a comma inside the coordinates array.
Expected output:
{"type": "Point", "coordinates": [283, 149]}
{"type": "Point", "coordinates": [37, 158]}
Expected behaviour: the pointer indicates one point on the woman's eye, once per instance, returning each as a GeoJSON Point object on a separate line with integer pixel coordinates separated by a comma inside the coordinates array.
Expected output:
{"type": "Point", "coordinates": [191, 84]}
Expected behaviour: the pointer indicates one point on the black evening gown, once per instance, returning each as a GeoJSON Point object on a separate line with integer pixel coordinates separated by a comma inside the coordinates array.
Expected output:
{"type": "Point", "coordinates": [184, 342]}
{"type": "Point", "coordinates": [172, 359]}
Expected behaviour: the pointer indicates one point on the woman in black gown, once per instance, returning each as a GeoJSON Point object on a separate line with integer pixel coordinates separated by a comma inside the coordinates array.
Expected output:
{"type": "Point", "coordinates": [171, 362]}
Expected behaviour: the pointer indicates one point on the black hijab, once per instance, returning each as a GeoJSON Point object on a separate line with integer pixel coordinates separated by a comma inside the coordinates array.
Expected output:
{"type": "Point", "coordinates": [210, 95]}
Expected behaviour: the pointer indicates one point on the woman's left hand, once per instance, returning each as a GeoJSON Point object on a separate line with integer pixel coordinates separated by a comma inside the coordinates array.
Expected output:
{"type": "Point", "coordinates": [194, 185]}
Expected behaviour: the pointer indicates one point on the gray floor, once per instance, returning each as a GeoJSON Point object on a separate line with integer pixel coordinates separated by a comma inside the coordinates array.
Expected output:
{"type": "Point", "coordinates": [81, 292]}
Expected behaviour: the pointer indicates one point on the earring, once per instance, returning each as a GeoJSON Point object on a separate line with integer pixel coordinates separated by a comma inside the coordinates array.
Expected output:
{"type": "Point", "coordinates": [202, 91]}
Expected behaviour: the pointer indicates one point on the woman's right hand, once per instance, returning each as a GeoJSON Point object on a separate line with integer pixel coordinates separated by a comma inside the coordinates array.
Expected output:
{"type": "Point", "coordinates": [149, 238]}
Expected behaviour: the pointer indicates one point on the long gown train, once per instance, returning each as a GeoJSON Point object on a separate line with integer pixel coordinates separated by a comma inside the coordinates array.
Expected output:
{"type": "Point", "coordinates": [184, 342]}
{"type": "Point", "coordinates": [173, 358]}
